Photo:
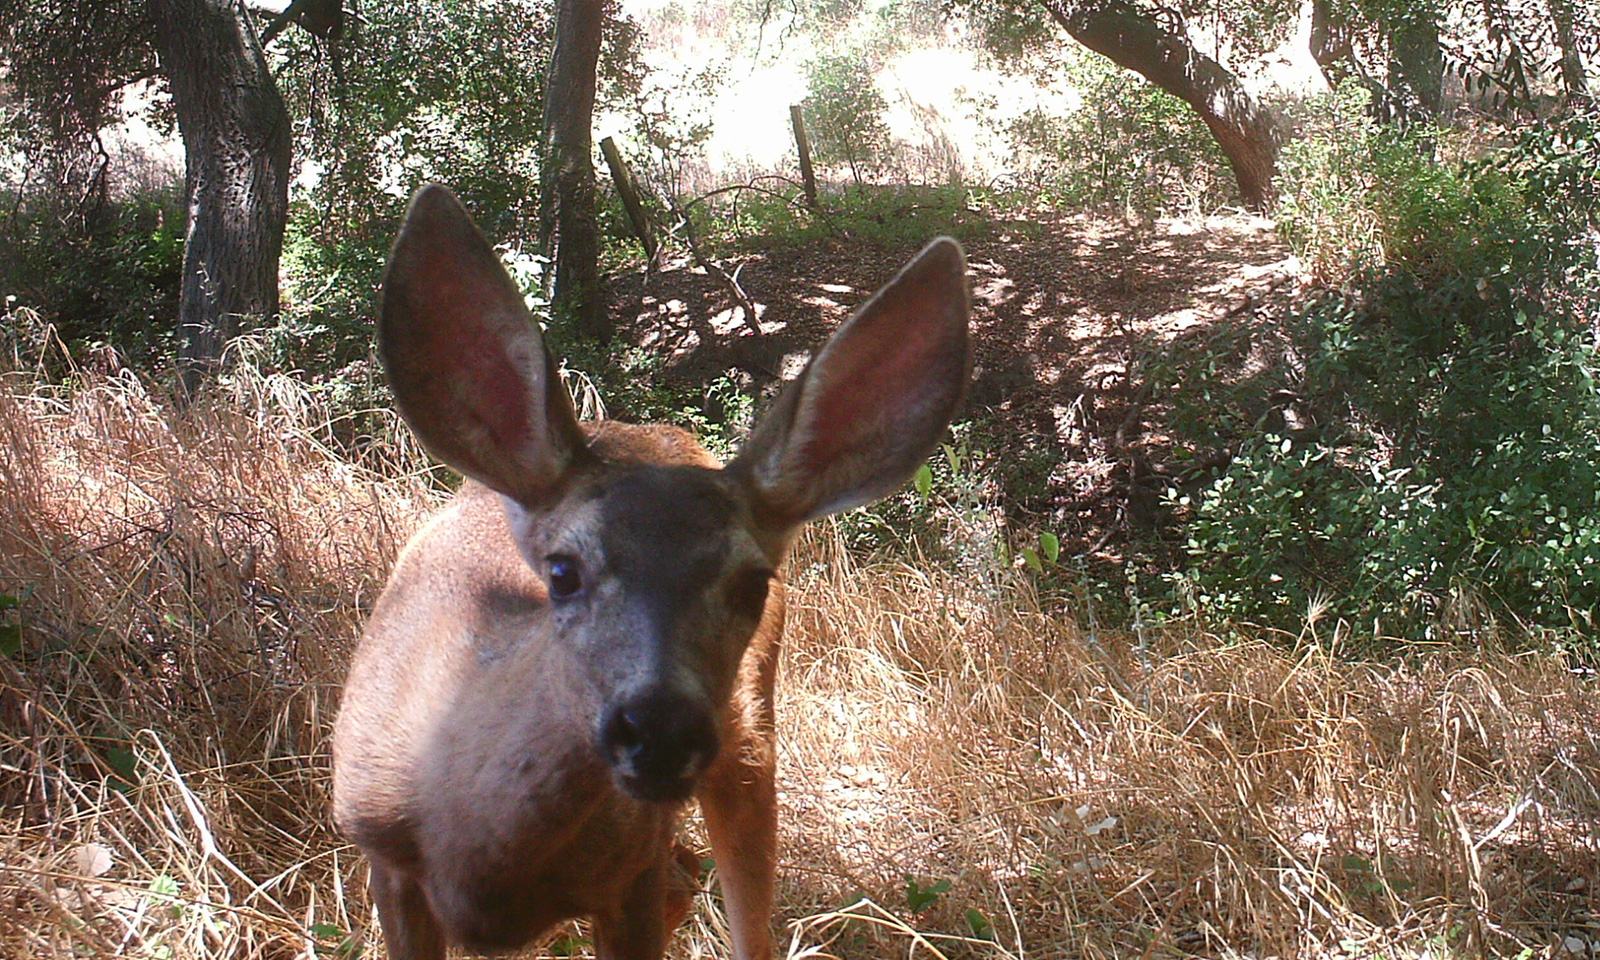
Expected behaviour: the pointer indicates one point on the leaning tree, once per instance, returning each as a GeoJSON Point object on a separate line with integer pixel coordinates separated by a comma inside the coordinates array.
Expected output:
{"type": "Point", "coordinates": [1401, 50]}
{"type": "Point", "coordinates": [68, 62]}
{"type": "Point", "coordinates": [1158, 42]}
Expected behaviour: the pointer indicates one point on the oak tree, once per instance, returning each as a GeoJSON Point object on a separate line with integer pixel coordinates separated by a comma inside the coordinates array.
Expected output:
{"type": "Point", "coordinates": [68, 62]}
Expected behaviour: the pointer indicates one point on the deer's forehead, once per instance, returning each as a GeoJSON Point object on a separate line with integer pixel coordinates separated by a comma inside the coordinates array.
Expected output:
{"type": "Point", "coordinates": [647, 515]}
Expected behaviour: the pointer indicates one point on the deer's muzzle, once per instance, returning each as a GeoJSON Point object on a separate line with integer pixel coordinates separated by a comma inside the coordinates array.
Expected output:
{"type": "Point", "coordinates": [658, 743]}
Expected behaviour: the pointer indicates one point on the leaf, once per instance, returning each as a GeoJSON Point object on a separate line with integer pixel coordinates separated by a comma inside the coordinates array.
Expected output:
{"type": "Point", "coordinates": [348, 946]}
{"type": "Point", "coordinates": [568, 946]}
{"type": "Point", "coordinates": [981, 927]}
{"type": "Point", "coordinates": [124, 766]}
{"type": "Point", "coordinates": [10, 633]}
{"type": "Point", "coordinates": [1031, 557]}
{"type": "Point", "coordinates": [923, 479]}
{"type": "Point", "coordinates": [164, 886]}
{"type": "Point", "coordinates": [92, 859]}
{"type": "Point", "coordinates": [920, 898]}
{"type": "Point", "coordinates": [1051, 544]}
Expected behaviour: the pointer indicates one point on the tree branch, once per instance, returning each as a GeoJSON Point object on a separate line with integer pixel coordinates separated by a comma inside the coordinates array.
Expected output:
{"type": "Point", "coordinates": [290, 13]}
{"type": "Point", "coordinates": [1131, 39]}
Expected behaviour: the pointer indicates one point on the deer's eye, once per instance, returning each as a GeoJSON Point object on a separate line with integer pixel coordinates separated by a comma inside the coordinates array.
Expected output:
{"type": "Point", "coordinates": [747, 592]}
{"type": "Point", "coordinates": [566, 580]}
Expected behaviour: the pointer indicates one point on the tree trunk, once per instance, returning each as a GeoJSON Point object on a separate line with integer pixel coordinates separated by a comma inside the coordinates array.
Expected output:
{"type": "Point", "coordinates": [631, 202]}
{"type": "Point", "coordinates": [802, 143]}
{"type": "Point", "coordinates": [236, 149]}
{"type": "Point", "coordinates": [1573, 76]}
{"type": "Point", "coordinates": [1247, 133]}
{"type": "Point", "coordinates": [570, 230]}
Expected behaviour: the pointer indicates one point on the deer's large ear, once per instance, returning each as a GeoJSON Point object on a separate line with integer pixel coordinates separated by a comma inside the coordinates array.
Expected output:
{"type": "Point", "coordinates": [467, 363]}
{"type": "Point", "coordinates": [872, 405]}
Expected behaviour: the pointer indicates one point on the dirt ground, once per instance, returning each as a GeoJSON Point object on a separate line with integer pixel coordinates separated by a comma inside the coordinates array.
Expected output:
{"type": "Point", "coordinates": [1065, 309]}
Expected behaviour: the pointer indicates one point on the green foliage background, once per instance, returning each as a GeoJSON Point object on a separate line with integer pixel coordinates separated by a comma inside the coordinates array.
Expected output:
{"type": "Point", "coordinates": [1456, 471]}
{"type": "Point", "coordinates": [1450, 476]}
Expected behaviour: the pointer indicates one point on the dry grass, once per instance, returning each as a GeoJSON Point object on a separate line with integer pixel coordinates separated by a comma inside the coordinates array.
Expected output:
{"type": "Point", "coordinates": [190, 590]}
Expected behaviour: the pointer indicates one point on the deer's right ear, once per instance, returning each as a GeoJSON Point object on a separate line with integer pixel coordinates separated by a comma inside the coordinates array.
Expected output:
{"type": "Point", "coordinates": [468, 366]}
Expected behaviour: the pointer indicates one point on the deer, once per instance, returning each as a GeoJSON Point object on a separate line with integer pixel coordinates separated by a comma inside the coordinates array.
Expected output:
{"type": "Point", "coordinates": [585, 637]}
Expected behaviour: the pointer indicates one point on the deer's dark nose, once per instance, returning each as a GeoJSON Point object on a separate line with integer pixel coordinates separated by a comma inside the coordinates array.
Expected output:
{"type": "Point", "coordinates": [658, 743]}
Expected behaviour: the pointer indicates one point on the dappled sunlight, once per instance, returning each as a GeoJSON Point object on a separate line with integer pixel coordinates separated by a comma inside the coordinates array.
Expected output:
{"type": "Point", "coordinates": [733, 321]}
{"type": "Point", "coordinates": [1244, 607]}
{"type": "Point", "coordinates": [992, 291]}
{"type": "Point", "coordinates": [1065, 316]}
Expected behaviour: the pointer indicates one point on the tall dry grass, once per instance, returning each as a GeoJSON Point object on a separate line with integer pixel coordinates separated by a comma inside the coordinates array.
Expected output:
{"type": "Point", "coordinates": [190, 588]}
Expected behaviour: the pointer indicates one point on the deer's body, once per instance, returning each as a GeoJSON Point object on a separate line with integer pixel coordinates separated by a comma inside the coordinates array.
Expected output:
{"type": "Point", "coordinates": [587, 635]}
{"type": "Point", "coordinates": [460, 631]}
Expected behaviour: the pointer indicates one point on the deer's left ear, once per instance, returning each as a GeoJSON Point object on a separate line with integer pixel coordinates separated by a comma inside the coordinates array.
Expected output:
{"type": "Point", "coordinates": [874, 402]}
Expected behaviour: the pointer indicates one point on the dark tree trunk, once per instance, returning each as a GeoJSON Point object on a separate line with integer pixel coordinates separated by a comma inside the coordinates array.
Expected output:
{"type": "Point", "coordinates": [236, 147]}
{"type": "Point", "coordinates": [1247, 133]}
{"type": "Point", "coordinates": [568, 229]}
{"type": "Point", "coordinates": [1573, 76]}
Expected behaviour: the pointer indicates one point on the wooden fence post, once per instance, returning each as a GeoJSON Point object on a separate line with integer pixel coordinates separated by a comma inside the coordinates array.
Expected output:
{"type": "Point", "coordinates": [630, 197]}
{"type": "Point", "coordinates": [804, 144]}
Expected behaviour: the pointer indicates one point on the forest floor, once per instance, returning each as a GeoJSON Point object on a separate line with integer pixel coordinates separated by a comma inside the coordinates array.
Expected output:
{"type": "Point", "coordinates": [1068, 314]}
{"type": "Point", "coordinates": [967, 768]}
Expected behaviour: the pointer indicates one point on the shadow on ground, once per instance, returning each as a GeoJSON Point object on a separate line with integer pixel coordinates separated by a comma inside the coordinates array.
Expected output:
{"type": "Point", "coordinates": [1068, 313]}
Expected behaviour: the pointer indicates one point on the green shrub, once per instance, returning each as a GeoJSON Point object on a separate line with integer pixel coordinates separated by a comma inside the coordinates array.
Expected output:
{"type": "Point", "coordinates": [890, 215]}
{"type": "Point", "coordinates": [1456, 373]}
{"type": "Point", "coordinates": [441, 90]}
{"type": "Point", "coordinates": [1129, 145]}
{"type": "Point", "coordinates": [845, 114]}
{"type": "Point", "coordinates": [111, 279]}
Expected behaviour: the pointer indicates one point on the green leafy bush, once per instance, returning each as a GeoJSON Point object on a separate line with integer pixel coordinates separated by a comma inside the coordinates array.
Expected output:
{"type": "Point", "coordinates": [435, 90]}
{"type": "Point", "coordinates": [446, 90]}
{"type": "Point", "coordinates": [1129, 145]}
{"type": "Point", "coordinates": [889, 215]}
{"type": "Point", "coordinates": [845, 114]}
{"type": "Point", "coordinates": [109, 278]}
{"type": "Point", "coordinates": [1456, 372]}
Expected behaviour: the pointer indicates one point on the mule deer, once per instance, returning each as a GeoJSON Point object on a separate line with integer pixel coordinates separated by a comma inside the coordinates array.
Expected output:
{"type": "Point", "coordinates": [587, 635]}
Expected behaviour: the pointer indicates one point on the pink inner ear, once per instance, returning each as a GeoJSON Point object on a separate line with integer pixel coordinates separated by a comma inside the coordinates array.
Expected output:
{"type": "Point", "coordinates": [877, 384]}
{"type": "Point", "coordinates": [501, 400]}
{"type": "Point", "coordinates": [467, 352]}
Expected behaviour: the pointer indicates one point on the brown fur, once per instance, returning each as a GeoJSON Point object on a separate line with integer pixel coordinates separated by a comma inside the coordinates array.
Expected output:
{"type": "Point", "coordinates": [588, 633]}
{"type": "Point", "coordinates": [453, 637]}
